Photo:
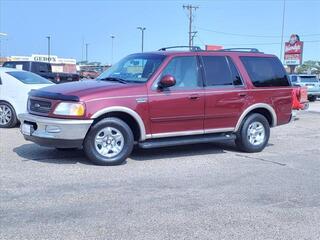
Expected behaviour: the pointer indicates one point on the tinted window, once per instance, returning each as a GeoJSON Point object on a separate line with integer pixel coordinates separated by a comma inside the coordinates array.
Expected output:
{"type": "Point", "coordinates": [294, 78]}
{"type": "Point", "coordinates": [265, 71]}
{"type": "Point", "coordinates": [308, 79]}
{"type": "Point", "coordinates": [184, 70]}
{"type": "Point", "coordinates": [17, 65]}
{"type": "Point", "coordinates": [220, 71]}
{"type": "Point", "coordinates": [29, 78]}
{"type": "Point", "coordinates": [236, 79]}
{"type": "Point", "coordinates": [43, 67]}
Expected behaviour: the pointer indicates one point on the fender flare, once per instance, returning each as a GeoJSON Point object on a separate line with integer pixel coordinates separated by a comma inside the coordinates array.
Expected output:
{"type": "Point", "coordinates": [129, 111]}
{"type": "Point", "coordinates": [253, 107]}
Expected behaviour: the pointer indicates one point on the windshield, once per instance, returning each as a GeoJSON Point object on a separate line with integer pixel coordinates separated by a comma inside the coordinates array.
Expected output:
{"type": "Point", "coordinates": [308, 79]}
{"type": "Point", "coordinates": [29, 78]}
{"type": "Point", "coordinates": [134, 68]}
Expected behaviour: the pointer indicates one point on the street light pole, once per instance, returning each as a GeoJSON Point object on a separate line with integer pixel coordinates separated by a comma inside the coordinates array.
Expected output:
{"type": "Point", "coordinates": [112, 39]}
{"type": "Point", "coordinates": [142, 29]}
{"type": "Point", "coordinates": [49, 46]}
{"type": "Point", "coordinates": [87, 45]}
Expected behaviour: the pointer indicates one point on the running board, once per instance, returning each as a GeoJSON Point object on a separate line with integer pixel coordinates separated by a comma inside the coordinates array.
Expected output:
{"type": "Point", "coordinates": [185, 140]}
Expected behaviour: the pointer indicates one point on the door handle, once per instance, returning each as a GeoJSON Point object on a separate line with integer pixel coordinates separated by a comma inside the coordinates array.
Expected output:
{"type": "Point", "coordinates": [194, 97]}
{"type": "Point", "coordinates": [242, 94]}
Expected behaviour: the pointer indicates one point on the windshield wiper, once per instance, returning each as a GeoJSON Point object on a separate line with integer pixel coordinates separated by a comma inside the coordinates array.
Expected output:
{"type": "Point", "coordinates": [114, 79]}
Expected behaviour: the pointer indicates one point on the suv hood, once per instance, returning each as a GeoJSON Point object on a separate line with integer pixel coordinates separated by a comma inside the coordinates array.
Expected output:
{"type": "Point", "coordinates": [85, 90]}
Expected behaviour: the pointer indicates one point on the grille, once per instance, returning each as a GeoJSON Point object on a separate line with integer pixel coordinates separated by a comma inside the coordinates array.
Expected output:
{"type": "Point", "coordinates": [39, 106]}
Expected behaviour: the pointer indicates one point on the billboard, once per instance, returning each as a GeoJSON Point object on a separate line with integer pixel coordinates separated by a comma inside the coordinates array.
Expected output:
{"type": "Point", "coordinates": [293, 51]}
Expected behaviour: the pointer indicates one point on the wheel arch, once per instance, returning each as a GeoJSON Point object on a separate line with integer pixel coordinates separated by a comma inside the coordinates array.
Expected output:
{"type": "Point", "coordinates": [128, 115]}
{"type": "Point", "coordinates": [262, 108]}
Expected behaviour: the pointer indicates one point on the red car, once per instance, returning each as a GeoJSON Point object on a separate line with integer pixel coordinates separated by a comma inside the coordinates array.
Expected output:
{"type": "Point", "coordinates": [164, 98]}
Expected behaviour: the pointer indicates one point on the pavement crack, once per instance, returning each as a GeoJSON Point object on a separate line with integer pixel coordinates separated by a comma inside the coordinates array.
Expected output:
{"type": "Point", "coordinates": [261, 159]}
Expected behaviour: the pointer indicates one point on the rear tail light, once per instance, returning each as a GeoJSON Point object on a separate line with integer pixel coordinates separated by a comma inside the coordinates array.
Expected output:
{"type": "Point", "coordinates": [57, 78]}
{"type": "Point", "coordinates": [298, 94]}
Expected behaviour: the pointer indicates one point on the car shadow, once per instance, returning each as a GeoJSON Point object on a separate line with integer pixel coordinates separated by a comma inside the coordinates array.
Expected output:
{"type": "Point", "coordinates": [182, 151]}
{"type": "Point", "coordinates": [33, 152]}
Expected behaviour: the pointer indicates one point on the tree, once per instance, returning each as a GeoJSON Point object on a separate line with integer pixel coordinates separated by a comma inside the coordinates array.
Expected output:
{"type": "Point", "coordinates": [309, 67]}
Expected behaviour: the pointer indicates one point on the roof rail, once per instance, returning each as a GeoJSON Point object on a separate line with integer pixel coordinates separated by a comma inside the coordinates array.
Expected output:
{"type": "Point", "coordinates": [239, 50]}
{"type": "Point", "coordinates": [192, 48]}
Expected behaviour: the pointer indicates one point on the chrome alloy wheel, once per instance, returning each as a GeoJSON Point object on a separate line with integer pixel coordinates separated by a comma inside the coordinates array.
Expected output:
{"type": "Point", "coordinates": [256, 133]}
{"type": "Point", "coordinates": [109, 142]}
{"type": "Point", "coordinates": [5, 114]}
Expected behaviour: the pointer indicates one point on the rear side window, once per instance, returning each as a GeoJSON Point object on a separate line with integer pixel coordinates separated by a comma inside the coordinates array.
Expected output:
{"type": "Point", "coordinates": [17, 65]}
{"type": "Point", "coordinates": [265, 71]}
{"type": "Point", "coordinates": [220, 71]}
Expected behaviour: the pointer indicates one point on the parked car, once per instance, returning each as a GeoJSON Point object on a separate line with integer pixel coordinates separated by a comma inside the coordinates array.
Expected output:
{"type": "Point", "coordinates": [89, 74]}
{"type": "Point", "coordinates": [309, 81]}
{"type": "Point", "coordinates": [164, 98]}
{"type": "Point", "coordinates": [43, 69]}
{"type": "Point", "coordinates": [14, 88]}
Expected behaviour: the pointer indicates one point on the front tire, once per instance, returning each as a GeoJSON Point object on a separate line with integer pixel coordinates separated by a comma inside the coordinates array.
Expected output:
{"type": "Point", "coordinates": [8, 117]}
{"type": "Point", "coordinates": [109, 142]}
{"type": "Point", "coordinates": [254, 133]}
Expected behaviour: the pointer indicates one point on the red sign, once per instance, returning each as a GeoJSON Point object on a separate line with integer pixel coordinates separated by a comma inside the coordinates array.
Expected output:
{"type": "Point", "coordinates": [213, 47]}
{"type": "Point", "coordinates": [293, 51]}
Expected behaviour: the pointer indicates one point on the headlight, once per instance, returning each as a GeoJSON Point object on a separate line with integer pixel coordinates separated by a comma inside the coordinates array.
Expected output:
{"type": "Point", "coordinates": [69, 109]}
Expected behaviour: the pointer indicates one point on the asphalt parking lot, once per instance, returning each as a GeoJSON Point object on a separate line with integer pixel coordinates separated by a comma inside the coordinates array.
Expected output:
{"type": "Point", "coordinates": [206, 191]}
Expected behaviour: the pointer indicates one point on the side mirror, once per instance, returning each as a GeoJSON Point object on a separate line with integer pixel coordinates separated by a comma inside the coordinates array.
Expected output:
{"type": "Point", "coordinates": [167, 81]}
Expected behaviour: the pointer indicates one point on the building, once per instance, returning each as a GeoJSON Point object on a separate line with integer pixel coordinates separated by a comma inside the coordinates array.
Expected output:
{"type": "Point", "coordinates": [66, 65]}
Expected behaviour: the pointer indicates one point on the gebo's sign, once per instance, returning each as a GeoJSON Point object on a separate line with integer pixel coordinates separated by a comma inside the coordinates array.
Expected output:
{"type": "Point", "coordinates": [44, 58]}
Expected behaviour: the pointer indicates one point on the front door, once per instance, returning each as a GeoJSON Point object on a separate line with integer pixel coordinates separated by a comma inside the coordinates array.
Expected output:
{"type": "Point", "coordinates": [178, 110]}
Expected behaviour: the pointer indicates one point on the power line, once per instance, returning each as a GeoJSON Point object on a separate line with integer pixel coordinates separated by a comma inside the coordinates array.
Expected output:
{"type": "Point", "coordinates": [192, 34]}
{"type": "Point", "coordinates": [270, 43]}
{"type": "Point", "coordinates": [252, 35]}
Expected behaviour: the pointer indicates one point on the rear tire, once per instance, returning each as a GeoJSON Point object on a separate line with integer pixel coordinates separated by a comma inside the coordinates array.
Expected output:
{"type": "Point", "coordinates": [312, 98]}
{"type": "Point", "coordinates": [109, 142]}
{"type": "Point", "coordinates": [8, 117]}
{"type": "Point", "coordinates": [254, 133]}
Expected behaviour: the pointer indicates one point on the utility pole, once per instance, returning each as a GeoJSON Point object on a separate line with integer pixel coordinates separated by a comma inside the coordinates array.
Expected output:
{"type": "Point", "coordinates": [49, 47]}
{"type": "Point", "coordinates": [282, 31]}
{"type": "Point", "coordinates": [192, 34]}
{"type": "Point", "coordinates": [87, 45]}
{"type": "Point", "coordinates": [142, 29]}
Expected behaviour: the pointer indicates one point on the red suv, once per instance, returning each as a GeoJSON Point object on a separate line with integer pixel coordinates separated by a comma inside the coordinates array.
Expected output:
{"type": "Point", "coordinates": [164, 98]}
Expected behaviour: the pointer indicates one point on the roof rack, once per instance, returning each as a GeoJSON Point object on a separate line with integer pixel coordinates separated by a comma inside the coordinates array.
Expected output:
{"type": "Point", "coordinates": [192, 48]}
{"type": "Point", "coordinates": [239, 50]}
{"type": "Point", "coordinates": [198, 49]}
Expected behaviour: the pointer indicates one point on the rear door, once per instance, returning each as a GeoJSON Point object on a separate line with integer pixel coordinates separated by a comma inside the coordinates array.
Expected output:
{"type": "Point", "coordinates": [178, 110]}
{"type": "Point", "coordinates": [225, 94]}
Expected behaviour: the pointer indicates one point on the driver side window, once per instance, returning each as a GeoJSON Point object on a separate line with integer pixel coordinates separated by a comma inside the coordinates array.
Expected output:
{"type": "Point", "coordinates": [185, 71]}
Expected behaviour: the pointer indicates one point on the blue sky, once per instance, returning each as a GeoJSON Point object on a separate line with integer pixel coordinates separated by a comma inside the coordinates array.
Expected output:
{"type": "Point", "coordinates": [221, 22]}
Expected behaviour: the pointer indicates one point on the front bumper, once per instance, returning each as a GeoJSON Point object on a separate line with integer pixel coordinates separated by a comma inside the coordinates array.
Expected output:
{"type": "Point", "coordinates": [53, 132]}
